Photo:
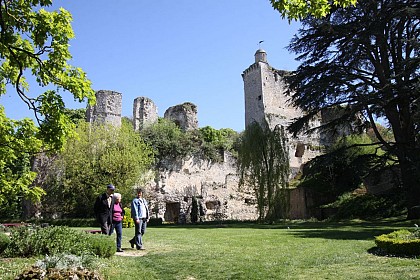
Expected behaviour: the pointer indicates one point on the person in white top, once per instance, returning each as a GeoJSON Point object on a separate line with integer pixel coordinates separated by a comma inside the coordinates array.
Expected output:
{"type": "Point", "coordinates": [140, 215]}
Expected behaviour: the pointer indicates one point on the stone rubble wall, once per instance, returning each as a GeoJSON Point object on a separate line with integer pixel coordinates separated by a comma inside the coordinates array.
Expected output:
{"type": "Point", "coordinates": [215, 184]}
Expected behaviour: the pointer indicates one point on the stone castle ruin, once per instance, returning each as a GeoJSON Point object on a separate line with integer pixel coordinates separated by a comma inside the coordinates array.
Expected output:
{"type": "Point", "coordinates": [183, 184]}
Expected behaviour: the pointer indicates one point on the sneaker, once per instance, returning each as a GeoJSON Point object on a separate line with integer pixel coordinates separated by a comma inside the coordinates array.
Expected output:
{"type": "Point", "coordinates": [119, 250]}
{"type": "Point", "coordinates": [132, 243]}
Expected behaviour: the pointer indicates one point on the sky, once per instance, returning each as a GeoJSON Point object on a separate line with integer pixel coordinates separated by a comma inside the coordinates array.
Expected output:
{"type": "Point", "coordinates": [173, 52]}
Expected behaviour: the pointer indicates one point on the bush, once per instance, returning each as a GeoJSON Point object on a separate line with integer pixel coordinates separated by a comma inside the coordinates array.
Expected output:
{"type": "Point", "coordinates": [401, 242]}
{"type": "Point", "coordinates": [102, 245]}
{"type": "Point", "coordinates": [28, 241]}
{"type": "Point", "coordinates": [4, 242]}
{"type": "Point", "coordinates": [127, 221]}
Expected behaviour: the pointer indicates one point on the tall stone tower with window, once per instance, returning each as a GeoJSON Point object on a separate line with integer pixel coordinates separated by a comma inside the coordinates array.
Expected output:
{"type": "Point", "coordinates": [265, 98]}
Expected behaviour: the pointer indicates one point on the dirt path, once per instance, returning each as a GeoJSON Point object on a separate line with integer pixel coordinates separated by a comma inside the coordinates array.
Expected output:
{"type": "Point", "coordinates": [128, 252]}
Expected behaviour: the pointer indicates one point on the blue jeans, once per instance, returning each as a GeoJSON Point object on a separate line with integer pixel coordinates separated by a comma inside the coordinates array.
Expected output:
{"type": "Point", "coordinates": [139, 231]}
{"type": "Point", "coordinates": [118, 230]}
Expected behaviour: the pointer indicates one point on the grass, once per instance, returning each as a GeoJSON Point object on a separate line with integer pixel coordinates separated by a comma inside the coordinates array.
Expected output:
{"type": "Point", "coordinates": [251, 251]}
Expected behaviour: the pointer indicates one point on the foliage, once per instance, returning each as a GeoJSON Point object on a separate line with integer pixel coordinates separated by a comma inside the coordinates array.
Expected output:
{"type": "Point", "coordinates": [214, 141]}
{"type": "Point", "coordinates": [102, 245]}
{"type": "Point", "coordinates": [76, 115]}
{"type": "Point", "coordinates": [368, 206]}
{"type": "Point", "coordinates": [65, 261]}
{"type": "Point", "coordinates": [366, 58]}
{"type": "Point", "coordinates": [167, 139]}
{"type": "Point", "coordinates": [343, 166]}
{"type": "Point", "coordinates": [263, 163]}
{"type": "Point", "coordinates": [298, 9]}
{"type": "Point", "coordinates": [401, 242]}
{"type": "Point", "coordinates": [127, 221]}
{"type": "Point", "coordinates": [35, 41]}
{"type": "Point", "coordinates": [170, 142]}
{"type": "Point", "coordinates": [18, 141]}
{"type": "Point", "coordinates": [99, 156]}
{"type": "Point", "coordinates": [4, 242]}
{"type": "Point", "coordinates": [28, 241]}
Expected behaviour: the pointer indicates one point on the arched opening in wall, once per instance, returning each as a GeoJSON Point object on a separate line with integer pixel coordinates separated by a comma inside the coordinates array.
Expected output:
{"type": "Point", "coordinates": [172, 212]}
{"type": "Point", "coordinates": [300, 149]}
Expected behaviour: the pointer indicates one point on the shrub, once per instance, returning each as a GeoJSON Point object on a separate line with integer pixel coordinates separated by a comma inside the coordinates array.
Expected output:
{"type": "Point", "coordinates": [4, 242]}
{"type": "Point", "coordinates": [27, 241]}
{"type": "Point", "coordinates": [401, 242]}
{"type": "Point", "coordinates": [127, 221]}
{"type": "Point", "coordinates": [102, 245]}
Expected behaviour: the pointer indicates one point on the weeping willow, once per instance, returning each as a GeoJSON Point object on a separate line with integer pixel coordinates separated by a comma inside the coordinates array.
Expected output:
{"type": "Point", "coordinates": [263, 164]}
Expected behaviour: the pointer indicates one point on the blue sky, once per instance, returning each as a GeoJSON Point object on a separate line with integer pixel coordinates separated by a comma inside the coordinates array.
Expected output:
{"type": "Point", "coordinates": [174, 52]}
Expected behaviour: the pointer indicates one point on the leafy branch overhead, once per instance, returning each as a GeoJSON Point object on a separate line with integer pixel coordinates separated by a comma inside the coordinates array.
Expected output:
{"type": "Point", "coordinates": [299, 9]}
{"type": "Point", "coordinates": [35, 42]}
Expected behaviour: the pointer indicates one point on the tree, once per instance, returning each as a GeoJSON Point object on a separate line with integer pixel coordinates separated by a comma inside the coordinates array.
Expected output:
{"type": "Point", "coordinates": [18, 142]}
{"type": "Point", "coordinates": [34, 46]}
{"type": "Point", "coordinates": [344, 165]}
{"type": "Point", "coordinates": [263, 163]}
{"type": "Point", "coordinates": [34, 41]}
{"type": "Point", "coordinates": [367, 59]}
{"type": "Point", "coordinates": [100, 155]}
{"type": "Point", "coordinates": [298, 9]}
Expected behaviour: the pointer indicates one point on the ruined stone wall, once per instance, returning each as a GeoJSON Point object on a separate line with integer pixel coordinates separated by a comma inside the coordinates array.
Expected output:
{"type": "Point", "coordinates": [108, 108]}
{"type": "Point", "coordinates": [144, 113]}
{"type": "Point", "coordinates": [184, 115]}
{"type": "Point", "coordinates": [214, 184]}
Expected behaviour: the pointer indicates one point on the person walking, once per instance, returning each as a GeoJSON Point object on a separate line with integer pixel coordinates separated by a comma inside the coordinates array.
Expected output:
{"type": "Point", "coordinates": [117, 217]}
{"type": "Point", "coordinates": [103, 209]}
{"type": "Point", "coordinates": [140, 215]}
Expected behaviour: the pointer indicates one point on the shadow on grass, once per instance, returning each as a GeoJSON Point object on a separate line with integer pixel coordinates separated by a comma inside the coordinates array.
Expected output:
{"type": "Point", "coordinates": [348, 230]}
{"type": "Point", "coordinates": [343, 234]}
{"type": "Point", "coordinates": [381, 253]}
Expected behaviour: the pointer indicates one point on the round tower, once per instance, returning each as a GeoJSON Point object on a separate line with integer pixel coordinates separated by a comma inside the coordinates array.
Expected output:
{"type": "Point", "coordinates": [108, 108]}
{"type": "Point", "coordinates": [144, 113]}
{"type": "Point", "coordinates": [260, 56]}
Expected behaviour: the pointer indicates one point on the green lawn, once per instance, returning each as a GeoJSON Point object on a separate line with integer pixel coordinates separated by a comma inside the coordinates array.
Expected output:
{"type": "Point", "coordinates": [249, 251]}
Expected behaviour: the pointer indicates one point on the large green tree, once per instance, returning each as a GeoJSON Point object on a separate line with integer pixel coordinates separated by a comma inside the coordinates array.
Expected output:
{"type": "Point", "coordinates": [263, 163]}
{"type": "Point", "coordinates": [34, 51]}
{"type": "Point", "coordinates": [100, 155]}
{"type": "Point", "coordinates": [365, 57]}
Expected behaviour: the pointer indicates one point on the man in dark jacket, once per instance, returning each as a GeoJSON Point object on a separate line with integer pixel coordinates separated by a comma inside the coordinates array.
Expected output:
{"type": "Point", "coordinates": [103, 208]}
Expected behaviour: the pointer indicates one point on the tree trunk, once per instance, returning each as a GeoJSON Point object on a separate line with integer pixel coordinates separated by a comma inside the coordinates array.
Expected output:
{"type": "Point", "coordinates": [410, 176]}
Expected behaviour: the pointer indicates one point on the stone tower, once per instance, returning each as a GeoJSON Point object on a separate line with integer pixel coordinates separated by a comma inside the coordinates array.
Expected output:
{"type": "Point", "coordinates": [144, 113]}
{"type": "Point", "coordinates": [108, 108]}
{"type": "Point", "coordinates": [184, 115]}
{"type": "Point", "coordinates": [265, 98]}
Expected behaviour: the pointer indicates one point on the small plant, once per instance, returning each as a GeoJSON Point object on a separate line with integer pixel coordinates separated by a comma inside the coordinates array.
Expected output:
{"type": "Point", "coordinates": [65, 261]}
